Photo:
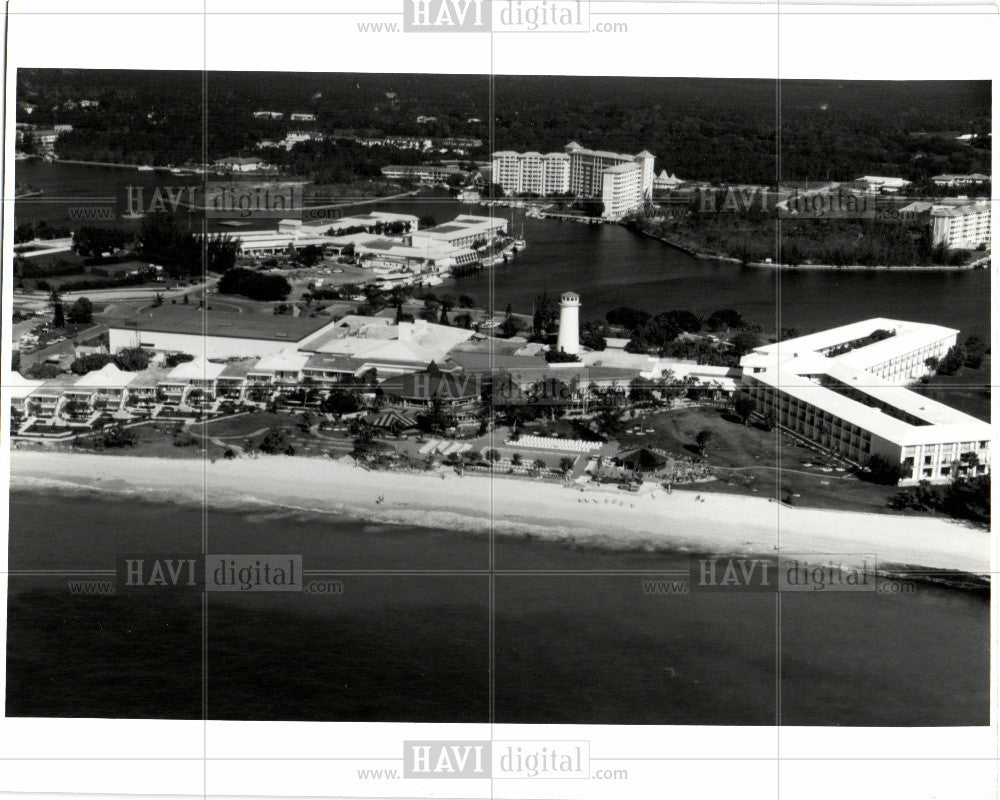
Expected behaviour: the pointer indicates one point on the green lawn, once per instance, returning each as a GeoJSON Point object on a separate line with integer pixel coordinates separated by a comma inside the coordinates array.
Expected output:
{"type": "Point", "coordinates": [245, 424]}
{"type": "Point", "coordinates": [749, 460]}
{"type": "Point", "coordinates": [156, 440]}
{"type": "Point", "coordinates": [967, 390]}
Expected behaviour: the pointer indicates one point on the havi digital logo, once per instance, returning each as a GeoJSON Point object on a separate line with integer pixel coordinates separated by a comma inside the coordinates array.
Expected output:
{"type": "Point", "coordinates": [447, 15]}
{"type": "Point", "coordinates": [446, 759]}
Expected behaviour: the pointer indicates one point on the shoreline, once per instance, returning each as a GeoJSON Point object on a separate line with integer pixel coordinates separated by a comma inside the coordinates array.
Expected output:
{"type": "Point", "coordinates": [980, 264]}
{"type": "Point", "coordinates": [680, 522]}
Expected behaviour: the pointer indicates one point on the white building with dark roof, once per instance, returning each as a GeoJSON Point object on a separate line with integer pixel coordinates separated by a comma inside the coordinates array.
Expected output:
{"type": "Point", "coordinates": [178, 328]}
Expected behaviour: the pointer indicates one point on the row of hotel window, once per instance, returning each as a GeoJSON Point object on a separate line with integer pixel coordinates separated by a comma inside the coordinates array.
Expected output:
{"type": "Point", "coordinates": [822, 426]}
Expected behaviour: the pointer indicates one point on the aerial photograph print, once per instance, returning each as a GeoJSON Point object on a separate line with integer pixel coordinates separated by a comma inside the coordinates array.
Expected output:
{"type": "Point", "coordinates": [442, 398]}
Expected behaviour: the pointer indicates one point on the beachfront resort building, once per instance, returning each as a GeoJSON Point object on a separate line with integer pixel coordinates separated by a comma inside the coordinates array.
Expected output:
{"type": "Point", "coordinates": [843, 390]}
{"type": "Point", "coordinates": [964, 226]}
{"type": "Point", "coordinates": [327, 353]}
{"type": "Point", "coordinates": [623, 181]}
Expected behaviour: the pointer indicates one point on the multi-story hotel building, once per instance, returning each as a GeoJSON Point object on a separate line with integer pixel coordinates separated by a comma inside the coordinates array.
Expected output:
{"type": "Point", "coordinates": [841, 389]}
{"type": "Point", "coordinates": [531, 173]}
{"type": "Point", "coordinates": [623, 181]}
{"type": "Point", "coordinates": [961, 226]}
{"type": "Point", "coordinates": [621, 189]}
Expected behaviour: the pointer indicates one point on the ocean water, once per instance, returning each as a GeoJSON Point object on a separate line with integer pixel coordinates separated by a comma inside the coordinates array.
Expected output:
{"type": "Point", "coordinates": [575, 638]}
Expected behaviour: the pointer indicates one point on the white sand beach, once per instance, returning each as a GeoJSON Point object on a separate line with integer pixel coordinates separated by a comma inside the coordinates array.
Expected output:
{"type": "Point", "coordinates": [682, 521]}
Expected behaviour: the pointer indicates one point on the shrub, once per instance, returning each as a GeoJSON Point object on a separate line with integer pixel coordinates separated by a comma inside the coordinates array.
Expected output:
{"type": "Point", "coordinates": [90, 362]}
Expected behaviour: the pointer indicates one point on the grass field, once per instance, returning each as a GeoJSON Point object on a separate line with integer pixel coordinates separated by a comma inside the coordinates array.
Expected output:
{"type": "Point", "coordinates": [156, 440]}
{"type": "Point", "coordinates": [967, 390]}
{"type": "Point", "coordinates": [749, 460]}
{"type": "Point", "coordinates": [246, 424]}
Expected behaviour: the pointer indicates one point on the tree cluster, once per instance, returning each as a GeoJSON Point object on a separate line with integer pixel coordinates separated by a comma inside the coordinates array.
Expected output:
{"type": "Point", "coordinates": [253, 284]}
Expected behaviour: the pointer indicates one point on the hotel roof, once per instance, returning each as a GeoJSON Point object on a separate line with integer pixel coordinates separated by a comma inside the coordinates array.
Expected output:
{"type": "Point", "coordinates": [170, 318]}
{"type": "Point", "coordinates": [972, 176]}
{"type": "Point", "coordinates": [371, 339]}
{"type": "Point", "coordinates": [107, 377]}
{"type": "Point", "coordinates": [432, 383]}
{"type": "Point", "coordinates": [942, 210]}
{"type": "Point", "coordinates": [628, 166]}
{"type": "Point", "coordinates": [148, 378]}
{"type": "Point", "coordinates": [199, 369]}
{"type": "Point", "coordinates": [20, 387]}
{"type": "Point", "coordinates": [908, 336]}
{"type": "Point", "coordinates": [238, 369]}
{"type": "Point", "coordinates": [52, 387]}
{"type": "Point", "coordinates": [334, 363]}
{"type": "Point", "coordinates": [483, 361]}
{"type": "Point", "coordinates": [285, 361]}
{"type": "Point", "coordinates": [943, 423]}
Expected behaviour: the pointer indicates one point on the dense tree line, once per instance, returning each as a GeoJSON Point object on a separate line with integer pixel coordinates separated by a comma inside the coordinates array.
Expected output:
{"type": "Point", "coordinates": [963, 498]}
{"type": "Point", "coordinates": [253, 284]}
{"type": "Point", "coordinates": [163, 241]}
{"type": "Point", "coordinates": [754, 237]}
{"type": "Point", "coordinates": [720, 130]}
{"type": "Point", "coordinates": [26, 231]}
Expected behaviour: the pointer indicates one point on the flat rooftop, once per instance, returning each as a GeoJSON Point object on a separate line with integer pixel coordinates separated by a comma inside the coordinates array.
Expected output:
{"type": "Point", "coordinates": [171, 318]}
{"type": "Point", "coordinates": [941, 423]}
{"type": "Point", "coordinates": [908, 336]}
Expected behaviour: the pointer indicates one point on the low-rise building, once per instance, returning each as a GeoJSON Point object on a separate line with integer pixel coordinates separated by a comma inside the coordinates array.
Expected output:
{"type": "Point", "coordinates": [21, 389]}
{"type": "Point", "coordinates": [429, 173]}
{"type": "Point", "coordinates": [455, 393]}
{"type": "Point", "coordinates": [196, 377]}
{"type": "Point", "coordinates": [177, 328]}
{"type": "Point", "coordinates": [240, 164]}
{"type": "Point", "coordinates": [105, 388]}
{"type": "Point", "coordinates": [664, 182]}
{"type": "Point", "coordinates": [950, 181]}
{"type": "Point", "coordinates": [466, 230]}
{"type": "Point", "coordinates": [841, 390]}
{"type": "Point", "coordinates": [874, 184]}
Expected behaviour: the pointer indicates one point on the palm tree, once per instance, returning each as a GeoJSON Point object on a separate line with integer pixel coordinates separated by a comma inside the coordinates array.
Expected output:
{"type": "Point", "coordinates": [58, 317]}
{"type": "Point", "coordinates": [702, 440]}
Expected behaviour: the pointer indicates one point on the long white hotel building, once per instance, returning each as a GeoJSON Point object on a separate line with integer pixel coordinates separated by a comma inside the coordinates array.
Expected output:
{"type": "Point", "coordinates": [623, 181]}
{"type": "Point", "coordinates": [843, 389]}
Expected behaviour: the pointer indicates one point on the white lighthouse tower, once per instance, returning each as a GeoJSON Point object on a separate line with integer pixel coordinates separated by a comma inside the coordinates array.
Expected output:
{"type": "Point", "coordinates": [569, 324]}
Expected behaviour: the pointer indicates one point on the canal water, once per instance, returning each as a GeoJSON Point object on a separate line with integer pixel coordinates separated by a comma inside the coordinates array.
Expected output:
{"type": "Point", "coordinates": [607, 265]}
